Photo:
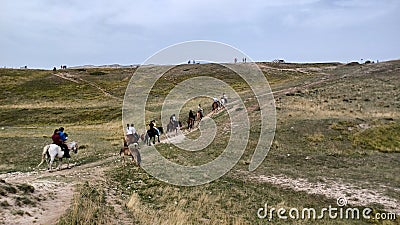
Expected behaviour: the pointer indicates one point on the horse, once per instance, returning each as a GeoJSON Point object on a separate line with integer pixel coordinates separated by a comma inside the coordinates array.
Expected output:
{"type": "Point", "coordinates": [215, 106]}
{"type": "Point", "coordinates": [199, 116]}
{"type": "Point", "coordinates": [53, 151]}
{"type": "Point", "coordinates": [133, 151]}
{"type": "Point", "coordinates": [152, 133]}
{"type": "Point", "coordinates": [223, 101]}
{"type": "Point", "coordinates": [190, 123]}
{"type": "Point", "coordinates": [132, 138]}
{"type": "Point", "coordinates": [173, 125]}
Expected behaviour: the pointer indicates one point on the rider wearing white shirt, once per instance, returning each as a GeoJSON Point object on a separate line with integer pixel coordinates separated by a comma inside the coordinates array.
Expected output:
{"type": "Point", "coordinates": [130, 130]}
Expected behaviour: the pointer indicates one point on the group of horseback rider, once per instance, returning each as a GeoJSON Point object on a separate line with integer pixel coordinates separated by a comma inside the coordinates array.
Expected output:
{"type": "Point", "coordinates": [59, 138]}
{"type": "Point", "coordinates": [131, 133]}
{"type": "Point", "coordinates": [222, 101]}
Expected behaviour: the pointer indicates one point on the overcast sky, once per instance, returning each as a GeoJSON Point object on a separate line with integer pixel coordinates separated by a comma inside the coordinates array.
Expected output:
{"type": "Point", "coordinates": [47, 33]}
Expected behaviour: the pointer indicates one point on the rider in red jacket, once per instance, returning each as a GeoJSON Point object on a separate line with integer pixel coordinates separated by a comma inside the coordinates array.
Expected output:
{"type": "Point", "coordinates": [56, 138]}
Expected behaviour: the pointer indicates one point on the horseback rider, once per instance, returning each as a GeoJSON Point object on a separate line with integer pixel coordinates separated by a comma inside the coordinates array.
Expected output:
{"type": "Point", "coordinates": [155, 127]}
{"type": "Point", "coordinates": [192, 118]}
{"type": "Point", "coordinates": [224, 98]}
{"type": "Point", "coordinates": [200, 110]}
{"type": "Point", "coordinates": [217, 101]}
{"type": "Point", "coordinates": [64, 137]}
{"type": "Point", "coordinates": [131, 130]}
{"type": "Point", "coordinates": [172, 120]}
{"type": "Point", "coordinates": [56, 138]}
{"type": "Point", "coordinates": [191, 115]}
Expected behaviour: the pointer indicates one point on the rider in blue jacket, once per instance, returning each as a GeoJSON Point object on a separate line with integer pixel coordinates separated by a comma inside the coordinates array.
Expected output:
{"type": "Point", "coordinates": [64, 137]}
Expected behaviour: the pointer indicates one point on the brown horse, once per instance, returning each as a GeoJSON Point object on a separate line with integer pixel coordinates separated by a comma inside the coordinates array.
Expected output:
{"type": "Point", "coordinates": [199, 116]}
{"type": "Point", "coordinates": [132, 151]}
{"type": "Point", "coordinates": [215, 107]}
{"type": "Point", "coordinates": [190, 123]}
{"type": "Point", "coordinates": [131, 138]}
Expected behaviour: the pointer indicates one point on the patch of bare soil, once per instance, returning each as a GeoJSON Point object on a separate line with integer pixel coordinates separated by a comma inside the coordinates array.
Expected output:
{"type": "Point", "coordinates": [354, 194]}
{"type": "Point", "coordinates": [50, 194]}
{"type": "Point", "coordinates": [26, 200]}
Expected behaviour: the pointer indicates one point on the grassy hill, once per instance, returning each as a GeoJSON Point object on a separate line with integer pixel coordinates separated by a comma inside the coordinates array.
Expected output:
{"type": "Point", "coordinates": [338, 126]}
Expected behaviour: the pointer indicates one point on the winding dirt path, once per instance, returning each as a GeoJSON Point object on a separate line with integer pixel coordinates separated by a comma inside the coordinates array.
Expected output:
{"type": "Point", "coordinates": [354, 194]}
{"type": "Point", "coordinates": [54, 192]}
{"type": "Point", "coordinates": [75, 79]}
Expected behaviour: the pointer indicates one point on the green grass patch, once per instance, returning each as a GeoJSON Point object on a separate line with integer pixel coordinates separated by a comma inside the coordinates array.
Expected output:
{"type": "Point", "coordinates": [384, 138]}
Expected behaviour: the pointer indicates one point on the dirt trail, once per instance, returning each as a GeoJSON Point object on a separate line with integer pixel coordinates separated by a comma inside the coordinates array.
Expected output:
{"type": "Point", "coordinates": [354, 194]}
{"type": "Point", "coordinates": [75, 79]}
{"type": "Point", "coordinates": [54, 192]}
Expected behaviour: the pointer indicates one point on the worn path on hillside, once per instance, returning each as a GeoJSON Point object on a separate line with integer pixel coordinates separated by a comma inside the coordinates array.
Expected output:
{"type": "Point", "coordinates": [56, 189]}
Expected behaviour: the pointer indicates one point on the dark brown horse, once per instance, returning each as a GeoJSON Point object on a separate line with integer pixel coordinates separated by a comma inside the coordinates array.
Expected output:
{"type": "Point", "coordinates": [215, 107]}
{"type": "Point", "coordinates": [190, 123]}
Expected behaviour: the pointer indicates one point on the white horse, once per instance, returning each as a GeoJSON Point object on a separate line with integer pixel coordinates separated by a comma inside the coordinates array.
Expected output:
{"type": "Point", "coordinates": [53, 151]}
{"type": "Point", "coordinates": [223, 101]}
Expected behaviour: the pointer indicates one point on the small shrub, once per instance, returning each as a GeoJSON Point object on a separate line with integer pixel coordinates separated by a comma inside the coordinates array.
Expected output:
{"type": "Point", "coordinates": [26, 188]}
{"type": "Point", "coordinates": [20, 201]}
{"type": "Point", "coordinates": [4, 204]}
{"type": "Point", "coordinates": [318, 137]}
{"type": "Point", "coordinates": [97, 73]}
{"type": "Point", "coordinates": [17, 212]}
{"type": "Point", "coordinates": [10, 189]}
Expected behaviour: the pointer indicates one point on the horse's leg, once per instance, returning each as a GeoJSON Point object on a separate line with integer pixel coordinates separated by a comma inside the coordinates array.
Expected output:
{"type": "Point", "coordinates": [50, 165]}
{"type": "Point", "coordinates": [43, 159]}
{"type": "Point", "coordinates": [68, 164]}
{"type": "Point", "coordinates": [48, 159]}
{"type": "Point", "coordinates": [123, 159]}
{"type": "Point", "coordinates": [158, 137]}
{"type": "Point", "coordinates": [59, 164]}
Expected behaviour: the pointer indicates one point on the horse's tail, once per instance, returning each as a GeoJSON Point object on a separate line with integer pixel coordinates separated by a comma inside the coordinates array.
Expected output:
{"type": "Point", "coordinates": [125, 142]}
{"type": "Point", "coordinates": [134, 150]}
{"type": "Point", "coordinates": [44, 153]}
